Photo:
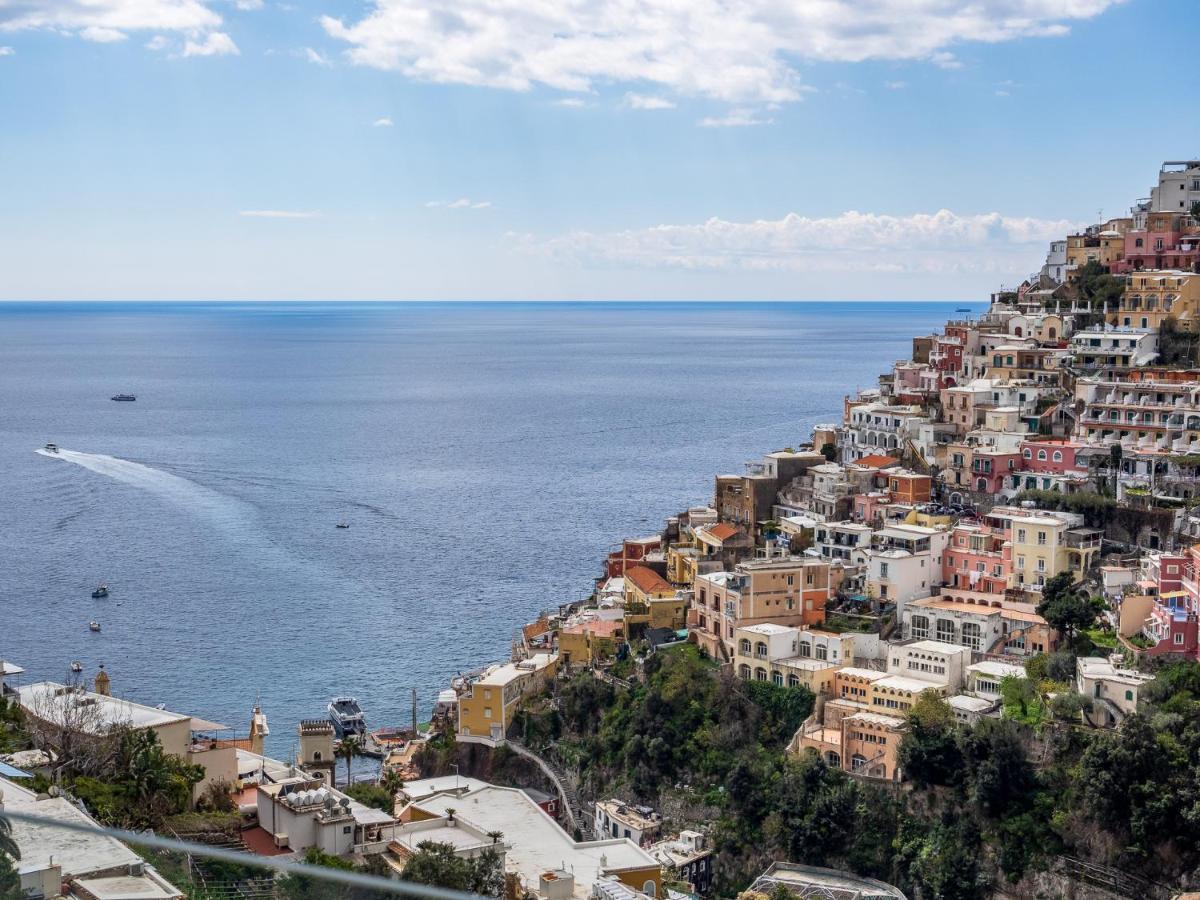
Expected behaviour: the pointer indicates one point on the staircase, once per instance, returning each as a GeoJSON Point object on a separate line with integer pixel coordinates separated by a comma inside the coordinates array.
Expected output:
{"type": "Point", "coordinates": [572, 805]}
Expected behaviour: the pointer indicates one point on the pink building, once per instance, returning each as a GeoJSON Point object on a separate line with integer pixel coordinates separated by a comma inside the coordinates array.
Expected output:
{"type": "Point", "coordinates": [1157, 250]}
{"type": "Point", "coordinates": [989, 468]}
{"type": "Point", "coordinates": [1050, 457]}
{"type": "Point", "coordinates": [978, 558]}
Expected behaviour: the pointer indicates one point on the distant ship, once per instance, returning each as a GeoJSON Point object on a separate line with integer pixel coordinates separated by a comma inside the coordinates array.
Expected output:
{"type": "Point", "coordinates": [77, 667]}
{"type": "Point", "coordinates": [125, 398]}
{"type": "Point", "coordinates": [100, 591]}
{"type": "Point", "coordinates": [963, 309]}
{"type": "Point", "coordinates": [343, 524]}
{"type": "Point", "coordinates": [347, 717]}
{"type": "Point", "coordinates": [52, 448]}
{"type": "Point", "coordinates": [94, 626]}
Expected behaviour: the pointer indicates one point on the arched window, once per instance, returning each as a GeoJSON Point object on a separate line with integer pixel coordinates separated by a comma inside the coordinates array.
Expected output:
{"type": "Point", "coordinates": [745, 646]}
{"type": "Point", "coordinates": [760, 674]}
{"type": "Point", "coordinates": [650, 889]}
{"type": "Point", "coordinates": [981, 484]}
{"type": "Point", "coordinates": [777, 677]}
{"type": "Point", "coordinates": [793, 680]}
{"type": "Point", "coordinates": [1041, 456]}
{"type": "Point", "coordinates": [1027, 453]}
{"type": "Point", "coordinates": [760, 650]}
{"type": "Point", "coordinates": [1058, 456]}
{"type": "Point", "coordinates": [805, 649]}
{"type": "Point", "coordinates": [919, 626]}
{"type": "Point", "coordinates": [857, 762]}
{"type": "Point", "coordinates": [316, 756]}
{"type": "Point", "coordinates": [1052, 333]}
{"type": "Point", "coordinates": [744, 671]}
{"type": "Point", "coordinates": [833, 760]}
{"type": "Point", "coordinates": [972, 635]}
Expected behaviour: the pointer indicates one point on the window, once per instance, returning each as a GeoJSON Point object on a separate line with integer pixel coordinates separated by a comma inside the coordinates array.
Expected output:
{"type": "Point", "coordinates": [777, 678]}
{"type": "Point", "coordinates": [760, 650]}
{"type": "Point", "coordinates": [1179, 637]}
{"type": "Point", "coordinates": [1041, 539]}
{"type": "Point", "coordinates": [745, 647]}
{"type": "Point", "coordinates": [805, 649]}
{"type": "Point", "coordinates": [945, 630]}
{"type": "Point", "coordinates": [744, 671]}
{"type": "Point", "coordinates": [1041, 456]}
{"type": "Point", "coordinates": [760, 674]}
{"type": "Point", "coordinates": [1129, 695]}
{"type": "Point", "coordinates": [793, 680]}
{"type": "Point", "coordinates": [1058, 456]}
{"type": "Point", "coordinates": [1020, 535]}
{"type": "Point", "coordinates": [919, 626]}
{"type": "Point", "coordinates": [822, 651]}
{"type": "Point", "coordinates": [972, 635]}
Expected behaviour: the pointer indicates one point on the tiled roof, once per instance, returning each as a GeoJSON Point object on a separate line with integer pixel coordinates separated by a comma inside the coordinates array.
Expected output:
{"type": "Point", "coordinates": [878, 461]}
{"type": "Point", "coordinates": [647, 580]}
{"type": "Point", "coordinates": [723, 531]}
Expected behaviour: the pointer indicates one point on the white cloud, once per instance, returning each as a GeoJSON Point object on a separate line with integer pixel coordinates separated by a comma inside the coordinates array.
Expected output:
{"type": "Point", "coordinates": [7, 51]}
{"type": "Point", "coordinates": [945, 60]}
{"type": "Point", "coordinates": [248, 5]}
{"type": "Point", "coordinates": [108, 20]}
{"type": "Point", "coordinates": [158, 42]}
{"type": "Point", "coordinates": [383, 122]}
{"type": "Point", "coordinates": [643, 101]}
{"type": "Point", "coordinates": [570, 103]}
{"type": "Point", "coordinates": [850, 242]}
{"type": "Point", "coordinates": [460, 203]}
{"type": "Point", "coordinates": [99, 35]}
{"type": "Point", "coordinates": [279, 214]}
{"type": "Point", "coordinates": [895, 85]}
{"type": "Point", "coordinates": [315, 57]}
{"type": "Point", "coordinates": [215, 43]}
{"type": "Point", "coordinates": [739, 51]}
{"type": "Point", "coordinates": [1002, 93]}
{"type": "Point", "coordinates": [736, 118]}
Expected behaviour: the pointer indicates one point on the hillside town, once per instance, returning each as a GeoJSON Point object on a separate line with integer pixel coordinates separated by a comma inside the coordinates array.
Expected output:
{"type": "Point", "coordinates": [1003, 532]}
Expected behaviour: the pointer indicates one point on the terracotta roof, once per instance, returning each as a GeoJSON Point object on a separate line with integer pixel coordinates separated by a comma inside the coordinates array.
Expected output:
{"type": "Point", "coordinates": [535, 629]}
{"type": "Point", "coordinates": [647, 580]}
{"type": "Point", "coordinates": [723, 531]}
{"type": "Point", "coordinates": [598, 628]}
{"type": "Point", "coordinates": [878, 461]}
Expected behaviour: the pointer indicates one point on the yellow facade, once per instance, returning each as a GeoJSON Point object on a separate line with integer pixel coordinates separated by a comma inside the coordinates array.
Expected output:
{"type": "Point", "coordinates": [1152, 296]}
{"type": "Point", "coordinates": [487, 708]}
{"type": "Point", "coordinates": [1041, 550]}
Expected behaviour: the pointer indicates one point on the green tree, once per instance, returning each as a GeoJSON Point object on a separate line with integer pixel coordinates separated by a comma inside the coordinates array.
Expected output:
{"type": "Point", "coordinates": [437, 864]}
{"type": "Point", "coordinates": [295, 886]}
{"type": "Point", "coordinates": [347, 750]}
{"type": "Point", "coordinates": [392, 782]}
{"type": "Point", "coordinates": [929, 751]}
{"type": "Point", "coordinates": [1021, 700]}
{"type": "Point", "coordinates": [10, 881]}
{"type": "Point", "coordinates": [999, 773]}
{"type": "Point", "coordinates": [373, 795]}
{"type": "Point", "coordinates": [1065, 608]}
{"type": "Point", "coordinates": [829, 451]}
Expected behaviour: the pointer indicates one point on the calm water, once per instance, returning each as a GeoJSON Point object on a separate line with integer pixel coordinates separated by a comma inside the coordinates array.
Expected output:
{"type": "Point", "coordinates": [485, 456]}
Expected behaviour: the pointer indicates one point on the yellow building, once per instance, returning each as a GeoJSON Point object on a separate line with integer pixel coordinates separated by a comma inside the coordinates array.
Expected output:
{"type": "Point", "coordinates": [584, 643]}
{"type": "Point", "coordinates": [1045, 544]}
{"type": "Point", "coordinates": [1153, 295]}
{"type": "Point", "coordinates": [487, 707]}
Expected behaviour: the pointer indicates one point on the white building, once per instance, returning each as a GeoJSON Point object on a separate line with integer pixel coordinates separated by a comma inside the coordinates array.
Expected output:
{"type": "Point", "coordinates": [1114, 347]}
{"type": "Point", "coordinates": [90, 866]}
{"type": "Point", "coordinates": [984, 678]}
{"type": "Point", "coordinates": [301, 812]}
{"type": "Point", "coordinates": [615, 818]}
{"type": "Point", "coordinates": [878, 428]}
{"type": "Point", "coordinates": [933, 661]}
{"type": "Point", "coordinates": [1113, 691]}
{"type": "Point", "coordinates": [1055, 267]}
{"type": "Point", "coordinates": [1178, 187]}
{"type": "Point", "coordinates": [847, 541]}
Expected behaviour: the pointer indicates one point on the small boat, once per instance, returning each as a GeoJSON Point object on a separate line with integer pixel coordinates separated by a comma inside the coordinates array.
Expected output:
{"type": "Point", "coordinates": [77, 667]}
{"type": "Point", "coordinates": [94, 626]}
{"type": "Point", "coordinates": [100, 591]}
{"type": "Point", "coordinates": [52, 448]}
{"type": "Point", "coordinates": [124, 398]}
{"type": "Point", "coordinates": [343, 524]}
{"type": "Point", "coordinates": [347, 717]}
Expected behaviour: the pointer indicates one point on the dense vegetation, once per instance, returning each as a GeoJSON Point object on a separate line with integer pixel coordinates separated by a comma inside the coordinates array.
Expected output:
{"type": "Point", "coordinates": [985, 803]}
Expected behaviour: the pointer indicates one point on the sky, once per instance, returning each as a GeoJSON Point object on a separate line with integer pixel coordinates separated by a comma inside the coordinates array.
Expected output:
{"type": "Point", "coordinates": [573, 149]}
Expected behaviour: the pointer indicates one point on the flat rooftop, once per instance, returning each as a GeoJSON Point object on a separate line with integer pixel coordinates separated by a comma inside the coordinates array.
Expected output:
{"type": "Point", "coordinates": [537, 843]}
{"type": "Point", "coordinates": [509, 672]}
{"type": "Point", "coordinates": [47, 700]}
{"type": "Point", "coordinates": [78, 853]}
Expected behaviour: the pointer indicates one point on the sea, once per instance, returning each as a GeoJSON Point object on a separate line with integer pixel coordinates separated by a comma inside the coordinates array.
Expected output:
{"type": "Point", "coordinates": [485, 456]}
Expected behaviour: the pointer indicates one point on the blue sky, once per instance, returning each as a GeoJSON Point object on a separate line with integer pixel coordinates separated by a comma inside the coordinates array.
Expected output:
{"type": "Point", "coordinates": [587, 149]}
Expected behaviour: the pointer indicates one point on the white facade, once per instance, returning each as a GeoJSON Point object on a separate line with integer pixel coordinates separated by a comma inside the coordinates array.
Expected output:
{"type": "Point", "coordinates": [1055, 268]}
{"type": "Point", "coordinates": [1124, 346]}
{"type": "Point", "coordinates": [875, 428]}
{"type": "Point", "coordinates": [1178, 187]}
{"type": "Point", "coordinates": [933, 661]}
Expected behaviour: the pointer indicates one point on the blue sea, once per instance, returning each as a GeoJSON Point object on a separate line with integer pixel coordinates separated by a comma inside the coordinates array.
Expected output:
{"type": "Point", "coordinates": [485, 455]}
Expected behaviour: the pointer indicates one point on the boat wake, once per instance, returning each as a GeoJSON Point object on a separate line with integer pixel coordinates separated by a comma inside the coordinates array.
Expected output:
{"type": "Point", "coordinates": [176, 490]}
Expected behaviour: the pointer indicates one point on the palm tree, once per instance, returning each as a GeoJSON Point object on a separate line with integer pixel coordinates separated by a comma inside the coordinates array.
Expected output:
{"type": "Point", "coordinates": [10, 882]}
{"type": "Point", "coordinates": [495, 836]}
{"type": "Point", "coordinates": [450, 811]}
{"type": "Point", "coordinates": [8, 845]}
{"type": "Point", "coordinates": [350, 748]}
{"type": "Point", "coordinates": [392, 782]}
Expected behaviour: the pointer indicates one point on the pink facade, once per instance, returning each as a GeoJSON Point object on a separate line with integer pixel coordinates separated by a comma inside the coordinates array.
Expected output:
{"type": "Point", "coordinates": [988, 470]}
{"type": "Point", "coordinates": [866, 506]}
{"type": "Point", "coordinates": [1157, 250]}
{"type": "Point", "coordinates": [1049, 457]}
{"type": "Point", "coordinates": [978, 558]}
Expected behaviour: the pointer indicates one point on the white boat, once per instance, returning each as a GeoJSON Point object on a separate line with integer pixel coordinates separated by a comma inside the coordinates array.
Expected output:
{"type": "Point", "coordinates": [77, 667]}
{"type": "Point", "coordinates": [94, 626]}
{"type": "Point", "coordinates": [52, 448]}
{"type": "Point", "coordinates": [347, 717]}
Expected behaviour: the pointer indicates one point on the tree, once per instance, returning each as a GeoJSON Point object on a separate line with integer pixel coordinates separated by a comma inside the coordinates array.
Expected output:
{"type": "Point", "coordinates": [438, 865]}
{"type": "Point", "coordinates": [307, 887]}
{"type": "Point", "coordinates": [929, 752]}
{"type": "Point", "coordinates": [10, 881]}
{"type": "Point", "coordinates": [347, 750]}
{"type": "Point", "coordinates": [829, 451]}
{"type": "Point", "coordinates": [999, 773]}
{"type": "Point", "coordinates": [392, 782]}
{"type": "Point", "coordinates": [1021, 700]}
{"type": "Point", "coordinates": [373, 795]}
{"type": "Point", "coordinates": [1066, 609]}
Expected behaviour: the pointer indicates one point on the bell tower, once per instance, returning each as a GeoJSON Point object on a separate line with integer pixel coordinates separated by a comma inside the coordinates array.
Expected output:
{"type": "Point", "coordinates": [103, 685]}
{"type": "Point", "coordinates": [258, 729]}
{"type": "Point", "coordinates": [316, 749]}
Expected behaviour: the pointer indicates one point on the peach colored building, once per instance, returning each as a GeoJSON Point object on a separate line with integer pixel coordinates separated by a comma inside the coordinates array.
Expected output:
{"type": "Point", "coordinates": [978, 557]}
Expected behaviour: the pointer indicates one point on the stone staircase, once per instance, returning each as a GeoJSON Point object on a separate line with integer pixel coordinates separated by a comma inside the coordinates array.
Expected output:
{"type": "Point", "coordinates": [573, 808]}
